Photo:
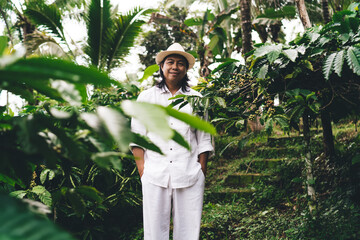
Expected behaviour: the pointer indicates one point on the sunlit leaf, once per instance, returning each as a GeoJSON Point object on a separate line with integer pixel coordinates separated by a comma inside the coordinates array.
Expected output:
{"type": "Point", "coordinates": [149, 71]}
{"type": "Point", "coordinates": [193, 121]}
{"type": "Point", "coordinates": [153, 117]}
{"type": "Point", "coordinates": [43, 194]}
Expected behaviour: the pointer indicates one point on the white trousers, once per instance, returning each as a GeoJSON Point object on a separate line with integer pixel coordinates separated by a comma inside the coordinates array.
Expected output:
{"type": "Point", "coordinates": [185, 203]}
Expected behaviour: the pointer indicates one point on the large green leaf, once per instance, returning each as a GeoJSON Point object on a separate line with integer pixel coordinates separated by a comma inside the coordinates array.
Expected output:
{"type": "Point", "coordinates": [116, 125]}
{"type": "Point", "coordinates": [45, 68]}
{"type": "Point", "coordinates": [149, 71]}
{"type": "Point", "coordinates": [17, 222]}
{"type": "Point", "coordinates": [153, 117]}
{"type": "Point", "coordinates": [193, 121]}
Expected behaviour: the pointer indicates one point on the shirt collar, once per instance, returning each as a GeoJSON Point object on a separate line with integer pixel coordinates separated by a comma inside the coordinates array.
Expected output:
{"type": "Point", "coordinates": [165, 89]}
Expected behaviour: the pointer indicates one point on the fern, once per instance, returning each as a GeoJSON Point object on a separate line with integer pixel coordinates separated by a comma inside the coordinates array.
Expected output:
{"type": "Point", "coordinates": [329, 62]}
{"type": "Point", "coordinates": [353, 59]}
{"type": "Point", "coordinates": [339, 62]}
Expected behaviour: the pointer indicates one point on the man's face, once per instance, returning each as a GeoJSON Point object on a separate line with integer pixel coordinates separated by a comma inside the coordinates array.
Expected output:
{"type": "Point", "coordinates": [174, 69]}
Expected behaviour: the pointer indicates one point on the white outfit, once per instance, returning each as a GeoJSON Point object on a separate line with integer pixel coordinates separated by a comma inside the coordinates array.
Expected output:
{"type": "Point", "coordinates": [175, 177]}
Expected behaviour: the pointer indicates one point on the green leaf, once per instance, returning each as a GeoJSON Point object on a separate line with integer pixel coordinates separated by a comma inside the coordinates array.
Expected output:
{"type": "Point", "coordinates": [196, 21]}
{"type": "Point", "coordinates": [263, 71]}
{"type": "Point", "coordinates": [116, 125]}
{"type": "Point", "coordinates": [193, 121]}
{"type": "Point", "coordinates": [149, 71]}
{"type": "Point", "coordinates": [68, 92]}
{"type": "Point", "coordinates": [145, 143]}
{"type": "Point", "coordinates": [328, 65]}
{"type": "Point", "coordinates": [291, 54]}
{"type": "Point", "coordinates": [90, 192]}
{"type": "Point", "coordinates": [338, 62]}
{"type": "Point", "coordinates": [180, 140]}
{"type": "Point", "coordinates": [46, 174]}
{"type": "Point", "coordinates": [43, 194]}
{"type": "Point", "coordinates": [213, 42]}
{"type": "Point", "coordinates": [18, 222]}
{"type": "Point", "coordinates": [272, 51]}
{"type": "Point", "coordinates": [220, 101]}
{"type": "Point", "coordinates": [3, 44]}
{"type": "Point", "coordinates": [153, 117]}
{"type": "Point", "coordinates": [18, 194]}
{"type": "Point", "coordinates": [353, 59]}
{"type": "Point", "coordinates": [76, 202]}
{"type": "Point", "coordinates": [108, 160]}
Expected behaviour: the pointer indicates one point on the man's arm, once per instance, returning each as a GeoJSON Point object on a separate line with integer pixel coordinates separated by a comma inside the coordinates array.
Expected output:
{"type": "Point", "coordinates": [139, 159]}
{"type": "Point", "coordinates": [202, 158]}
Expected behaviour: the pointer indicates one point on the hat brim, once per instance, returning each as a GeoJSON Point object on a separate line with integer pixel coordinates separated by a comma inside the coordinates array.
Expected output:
{"type": "Point", "coordinates": [161, 55]}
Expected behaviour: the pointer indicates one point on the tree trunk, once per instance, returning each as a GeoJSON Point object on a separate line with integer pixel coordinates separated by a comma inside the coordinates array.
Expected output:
{"type": "Point", "coordinates": [309, 163]}
{"type": "Point", "coordinates": [328, 141]}
{"type": "Point", "coordinates": [7, 25]}
{"type": "Point", "coordinates": [304, 16]}
{"type": "Point", "coordinates": [246, 26]}
{"type": "Point", "coordinates": [325, 9]}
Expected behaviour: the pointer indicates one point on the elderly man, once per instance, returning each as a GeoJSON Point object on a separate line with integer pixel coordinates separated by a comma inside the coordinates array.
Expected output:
{"type": "Point", "coordinates": [173, 183]}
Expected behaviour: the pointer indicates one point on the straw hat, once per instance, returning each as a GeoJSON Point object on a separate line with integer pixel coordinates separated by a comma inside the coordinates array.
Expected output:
{"type": "Point", "coordinates": [175, 48]}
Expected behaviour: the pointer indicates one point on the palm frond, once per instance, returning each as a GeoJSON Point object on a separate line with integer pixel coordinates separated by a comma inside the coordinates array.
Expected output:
{"type": "Point", "coordinates": [48, 16]}
{"type": "Point", "coordinates": [98, 24]}
{"type": "Point", "coordinates": [121, 38]}
{"type": "Point", "coordinates": [35, 40]}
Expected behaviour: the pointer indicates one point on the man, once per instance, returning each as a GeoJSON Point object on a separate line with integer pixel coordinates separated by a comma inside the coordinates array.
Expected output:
{"type": "Point", "coordinates": [173, 183]}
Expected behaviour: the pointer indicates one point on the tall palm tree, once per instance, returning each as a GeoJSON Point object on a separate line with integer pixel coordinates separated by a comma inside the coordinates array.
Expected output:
{"type": "Point", "coordinates": [110, 35]}
{"type": "Point", "coordinates": [246, 26]}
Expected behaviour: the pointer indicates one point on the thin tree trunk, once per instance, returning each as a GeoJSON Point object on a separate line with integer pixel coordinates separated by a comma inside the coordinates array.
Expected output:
{"type": "Point", "coordinates": [309, 163]}
{"type": "Point", "coordinates": [246, 26]}
{"type": "Point", "coordinates": [304, 16]}
{"type": "Point", "coordinates": [328, 139]}
{"type": "Point", "coordinates": [7, 25]}
{"type": "Point", "coordinates": [325, 9]}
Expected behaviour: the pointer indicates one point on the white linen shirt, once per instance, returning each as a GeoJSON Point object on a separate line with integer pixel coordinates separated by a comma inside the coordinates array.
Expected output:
{"type": "Point", "coordinates": [178, 166]}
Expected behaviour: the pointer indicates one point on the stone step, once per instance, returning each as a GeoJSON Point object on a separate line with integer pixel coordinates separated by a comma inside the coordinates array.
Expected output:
{"type": "Point", "coordinates": [278, 152]}
{"type": "Point", "coordinates": [284, 141]}
{"type": "Point", "coordinates": [244, 179]}
{"type": "Point", "coordinates": [260, 164]}
{"type": "Point", "coordinates": [227, 195]}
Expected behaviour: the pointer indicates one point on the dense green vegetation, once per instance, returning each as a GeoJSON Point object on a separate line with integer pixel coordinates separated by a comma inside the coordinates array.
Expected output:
{"type": "Point", "coordinates": [280, 171]}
